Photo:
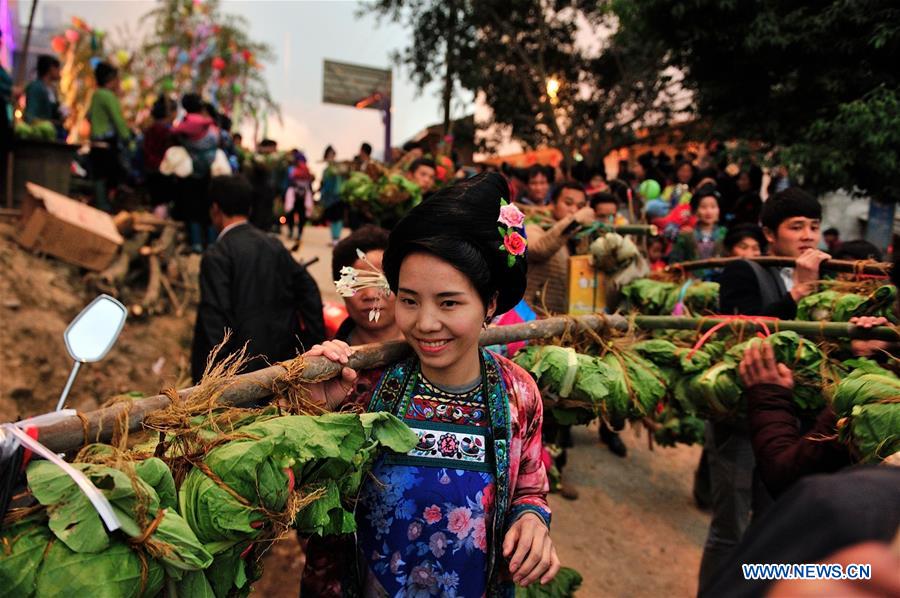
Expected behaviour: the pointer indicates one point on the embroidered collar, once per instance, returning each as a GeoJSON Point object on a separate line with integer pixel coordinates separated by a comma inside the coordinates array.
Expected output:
{"type": "Point", "coordinates": [393, 393]}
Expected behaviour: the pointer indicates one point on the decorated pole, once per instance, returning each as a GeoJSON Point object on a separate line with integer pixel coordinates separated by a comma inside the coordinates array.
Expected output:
{"type": "Point", "coordinates": [65, 433]}
{"type": "Point", "coordinates": [856, 267]}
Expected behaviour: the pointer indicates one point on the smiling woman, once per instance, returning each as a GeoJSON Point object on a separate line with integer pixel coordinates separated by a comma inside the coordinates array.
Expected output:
{"type": "Point", "coordinates": [441, 314]}
{"type": "Point", "coordinates": [471, 496]}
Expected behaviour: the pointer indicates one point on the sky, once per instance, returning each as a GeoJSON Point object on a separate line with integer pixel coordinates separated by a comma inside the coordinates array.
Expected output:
{"type": "Point", "coordinates": [302, 34]}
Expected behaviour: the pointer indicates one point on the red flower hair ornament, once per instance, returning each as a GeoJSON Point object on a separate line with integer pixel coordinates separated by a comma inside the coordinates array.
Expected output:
{"type": "Point", "coordinates": [514, 241]}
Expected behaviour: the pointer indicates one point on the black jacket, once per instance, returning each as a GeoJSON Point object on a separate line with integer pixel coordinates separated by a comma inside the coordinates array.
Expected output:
{"type": "Point", "coordinates": [740, 293]}
{"type": "Point", "coordinates": [250, 284]}
{"type": "Point", "coordinates": [815, 518]}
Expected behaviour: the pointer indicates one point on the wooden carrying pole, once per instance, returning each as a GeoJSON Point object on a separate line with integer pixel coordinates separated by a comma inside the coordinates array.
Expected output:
{"type": "Point", "coordinates": [860, 267]}
{"type": "Point", "coordinates": [71, 432]}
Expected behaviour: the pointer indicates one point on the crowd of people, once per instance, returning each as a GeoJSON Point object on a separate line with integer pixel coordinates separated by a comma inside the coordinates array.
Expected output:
{"type": "Point", "coordinates": [442, 285]}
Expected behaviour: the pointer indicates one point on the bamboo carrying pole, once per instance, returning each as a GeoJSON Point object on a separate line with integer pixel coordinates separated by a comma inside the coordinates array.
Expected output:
{"type": "Point", "coordinates": [623, 229]}
{"type": "Point", "coordinates": [70, 432]}
{"type": "Point", "coordinates": [863, 267]}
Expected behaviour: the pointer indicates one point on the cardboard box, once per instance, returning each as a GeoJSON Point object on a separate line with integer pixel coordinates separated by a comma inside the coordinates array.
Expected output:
{"type": "Point", "coordinates": [67, 229]}
{"type": "Point", "coordinates": [586, 287]}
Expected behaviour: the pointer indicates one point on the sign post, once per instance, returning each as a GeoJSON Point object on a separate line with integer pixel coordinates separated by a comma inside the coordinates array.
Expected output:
{"type": "Point", "coordinates": [361, 87]}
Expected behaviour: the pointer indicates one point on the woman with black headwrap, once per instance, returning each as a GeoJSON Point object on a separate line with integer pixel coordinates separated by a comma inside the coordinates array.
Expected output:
{"type": "Point", "coordinates": [464, 513]}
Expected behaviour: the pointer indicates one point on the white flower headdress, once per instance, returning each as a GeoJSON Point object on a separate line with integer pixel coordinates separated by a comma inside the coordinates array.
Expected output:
{"type": "Point", "coordinates": [353, 281]}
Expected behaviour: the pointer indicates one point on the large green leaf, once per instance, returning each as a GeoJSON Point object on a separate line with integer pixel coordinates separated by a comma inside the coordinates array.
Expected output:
{"type": "Point", "coordinates": [335, 447]}
{"type": "Point", "coordinates": [862, 386]}
{"type": "Point", "coordinates": [116, 572]}
{"type": "Point", "coordinates": [812, 371]}
{"type": "Point", "coordinates": [21, 553]}
{"type": "Point", "coordinates": [73, 518]}
{"type": "Point", "coordinates": [875, 429]}
{"type": "Point", "coordinates": [74, 521]}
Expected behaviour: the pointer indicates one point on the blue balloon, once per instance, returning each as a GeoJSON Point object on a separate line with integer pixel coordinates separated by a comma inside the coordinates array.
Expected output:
{"type": "Point", "coordinates": [183, 57]}
{"type": "Point", "coordinates": [657, 208]}
{"type": "Point", "coordinates": [94, 61]}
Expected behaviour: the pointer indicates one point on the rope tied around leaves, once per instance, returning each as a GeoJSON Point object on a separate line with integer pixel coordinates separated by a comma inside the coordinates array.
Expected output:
{"type": "Point", "coordinates": [204, 468]}
{"type": "Point", "coordinates": [761, 321]}
{"type": "Point", "coordinates": [149, 530]}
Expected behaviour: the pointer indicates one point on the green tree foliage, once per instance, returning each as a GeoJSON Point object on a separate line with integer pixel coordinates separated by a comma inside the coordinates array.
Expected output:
{"type": "Point", "coordinates": [858, 147]}
{"type": "Point", "coordinates": [507, 51]}
{"type": "Point", "coordinates": [818, 79]}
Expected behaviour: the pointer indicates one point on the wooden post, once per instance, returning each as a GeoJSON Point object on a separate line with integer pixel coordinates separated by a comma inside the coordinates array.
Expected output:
{"type": "Point", "coordinates": [20, 68]}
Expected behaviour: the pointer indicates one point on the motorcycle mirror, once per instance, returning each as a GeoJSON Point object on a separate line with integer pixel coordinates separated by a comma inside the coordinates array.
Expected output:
{"type": "Point", "coordinates": [92, 334]}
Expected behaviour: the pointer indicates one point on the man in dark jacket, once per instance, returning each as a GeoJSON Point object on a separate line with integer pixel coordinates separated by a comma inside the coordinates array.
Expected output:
{"type": "Point", "coordinates": [791, 222]}
{"type": "Point", "coordinates": [250, 284]}
{"type": "Point", "coordinates": [786, 449]}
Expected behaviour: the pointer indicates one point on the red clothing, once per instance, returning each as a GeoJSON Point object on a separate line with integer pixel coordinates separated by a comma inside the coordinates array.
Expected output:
{"type": "Point", "coordinates": [194, 127]}
{"type": "Point", "coordinates": [680, 216]}
{"type": "Point", "coordinates": [783, 452]}
{"type": "Point", "coordinates": [157, 139]}
{"type": "Point", "coordinates": [300, 172]}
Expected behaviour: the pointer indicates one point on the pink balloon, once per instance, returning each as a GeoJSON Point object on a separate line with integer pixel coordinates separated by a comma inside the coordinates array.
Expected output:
{"type": "Point", "coordinates": [72, 35]}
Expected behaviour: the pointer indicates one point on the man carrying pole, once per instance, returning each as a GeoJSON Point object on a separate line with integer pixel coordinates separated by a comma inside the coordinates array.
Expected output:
{"type": "Point", "coordinates": [791, 222]}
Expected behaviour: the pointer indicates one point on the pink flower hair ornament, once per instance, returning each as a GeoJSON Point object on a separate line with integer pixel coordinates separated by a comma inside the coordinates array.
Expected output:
{"type": "Point", "coordinates": [514, 241]}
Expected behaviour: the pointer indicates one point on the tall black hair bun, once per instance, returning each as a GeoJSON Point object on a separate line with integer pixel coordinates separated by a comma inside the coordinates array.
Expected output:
{"type": "Point", "coordinates": [459, 224]}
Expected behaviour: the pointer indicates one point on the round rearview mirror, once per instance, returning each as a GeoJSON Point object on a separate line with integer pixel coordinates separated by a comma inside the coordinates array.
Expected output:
{"type": "Point", "coordinates": [92, 334]}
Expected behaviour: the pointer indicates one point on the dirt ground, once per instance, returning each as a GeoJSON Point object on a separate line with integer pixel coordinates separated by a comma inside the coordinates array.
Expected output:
{"type": "Point", "coordinates": [39, 296]}
{"type": "Point", "coordinates": [634, 531]}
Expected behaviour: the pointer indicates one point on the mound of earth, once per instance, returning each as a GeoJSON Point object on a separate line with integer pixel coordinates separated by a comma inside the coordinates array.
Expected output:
{"type": "Point", "coordinates": [39, 296]}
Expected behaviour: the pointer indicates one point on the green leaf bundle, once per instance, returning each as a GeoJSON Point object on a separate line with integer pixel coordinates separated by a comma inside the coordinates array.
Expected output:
{"type": "Point", "coordinates": [836, 306]}
{"type": "Point", "coordinates": [672, 360]}
{"type": "Point", "coordinates": [66, 550]}
{"type": "Point", "coordinates": [579, 381]}
{"type": "Point", "coordinates": [251, 473]}
{"type": "Point", "coordinates": [650, 297]}
{"type": "Point", "coordinates": [714, 391]}
{"type": "Point", "coordinates": [635, 387]}
{"type": "Point", "coordinates": [564, 585]}
{"type": "Point", "coordinates": [34, 562]}
{"type": "Point", "coordinates": [812, 370]}
{"type": "Point", "coordinates": [678, 427]}
{"type": "Point", "coordinates": [247, 481]}
{"type": "Point", "coordinates": [654, 297]}
{"type": "Point", "coordinates": [358, 188]}
{"type": "Point", "coordinates": [864, 385]}
{"type": "Point", "coordinates": [620, 385]}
